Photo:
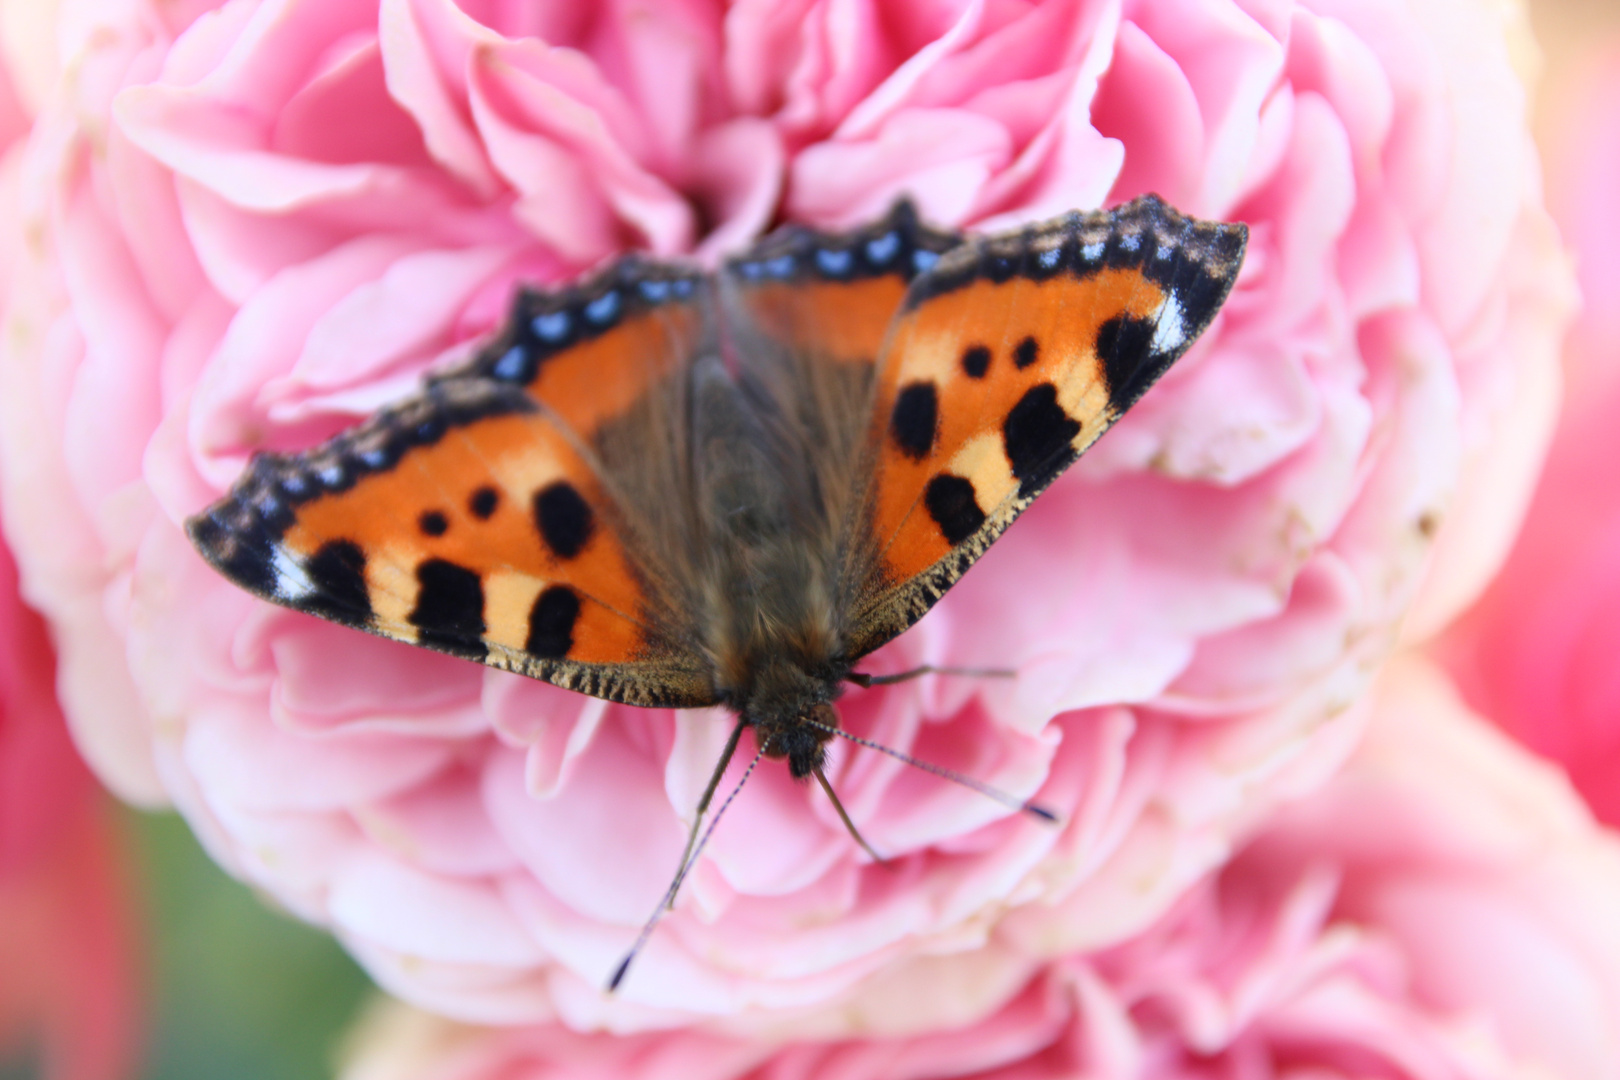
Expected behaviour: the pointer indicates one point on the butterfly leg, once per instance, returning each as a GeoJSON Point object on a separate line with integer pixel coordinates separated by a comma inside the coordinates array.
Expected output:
{"type": "Point", "coordinates": [844, 817]}
{"type": "Point", "coordinates": [862, 679]}
{"type": "Point", "coordinates": [708, 797]}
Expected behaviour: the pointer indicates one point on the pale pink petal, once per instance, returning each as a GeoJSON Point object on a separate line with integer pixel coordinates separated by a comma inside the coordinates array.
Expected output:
{"type": "Point", "coordinates": [381, 900]}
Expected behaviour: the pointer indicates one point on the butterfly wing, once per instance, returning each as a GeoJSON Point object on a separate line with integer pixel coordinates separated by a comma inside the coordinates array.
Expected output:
{"type": "Point", "coordinates": [501, 515]}
{"type": "Point", "coordinates": [807, 312]}
{"type": "Point", "coordinates": [1006, 360]}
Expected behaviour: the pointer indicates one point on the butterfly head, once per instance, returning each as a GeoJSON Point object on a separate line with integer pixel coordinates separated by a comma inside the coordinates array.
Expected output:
{"type": "Point", "coordinates": [801, 743]}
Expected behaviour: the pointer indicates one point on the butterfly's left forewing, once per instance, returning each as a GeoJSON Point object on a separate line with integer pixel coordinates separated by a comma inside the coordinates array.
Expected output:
{"type": "Point", "coordinates": [1005, 362]}
{"type": "Point", "coordinates": [483, 518]}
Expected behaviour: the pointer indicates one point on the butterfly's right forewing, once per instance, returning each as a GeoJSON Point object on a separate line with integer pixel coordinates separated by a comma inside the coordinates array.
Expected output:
{"type": "Point", "coordinates": [1006, 361]}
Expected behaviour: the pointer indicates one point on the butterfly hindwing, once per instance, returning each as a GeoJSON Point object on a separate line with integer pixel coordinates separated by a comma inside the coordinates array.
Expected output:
{"type": "Point", "coordinates": [1006, 360]}
{"type": "Point", "coordinates": [810, 310]}
{"type": "Point", "coordinates": [829, 297]}
{"type": "Point", "coordinates": [478, 518]}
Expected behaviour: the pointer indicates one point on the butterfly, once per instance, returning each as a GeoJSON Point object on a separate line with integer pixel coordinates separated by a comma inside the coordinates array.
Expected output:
{"type": "Point", "coordinates": [673, 488]}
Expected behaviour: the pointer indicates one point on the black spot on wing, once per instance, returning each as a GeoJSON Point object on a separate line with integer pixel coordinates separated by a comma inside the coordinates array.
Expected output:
{"type": "Point", "coordinates": [483, 502]}
{"type": "Point", "coordinates": [564, 518]}
{"type": "Point", "coordinates": [433, 523]}
{"type": "Point", "coordinates": [1026, 353]}
{"type": "Point", "coordinates": [1038, 436]}
{"type": "Point", "coordinates": [338, 572]}
{"type": "Point", "coordinates": [915, 419]}
{"type": "Point", "coordinates": [551, 623]}
{"type": "Point", "coordinates": [976, 361]}
{"type": "Point", "coordinates": [1124, 346]}
{"type": "Point", "coordinates": [449, 612]}
{"type": "Point", "coordinates": [954, 506]}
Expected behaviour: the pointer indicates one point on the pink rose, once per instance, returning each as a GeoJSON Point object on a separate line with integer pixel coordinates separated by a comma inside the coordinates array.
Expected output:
{"type": "Point", "coordinates": [69, 998]}
{"type": "Point", "coordinates": [255, 226]}
{"type": "Point", "coordinates": [1443, 908]}
{"type": "Point", "coordinates": [1538, 653]}
{"type": "Point", "coordinates": [68, 994]}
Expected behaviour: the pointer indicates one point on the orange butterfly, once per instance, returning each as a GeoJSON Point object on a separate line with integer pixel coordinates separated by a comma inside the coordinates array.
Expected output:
{"type": "Point", "coordinates": [677, 489]}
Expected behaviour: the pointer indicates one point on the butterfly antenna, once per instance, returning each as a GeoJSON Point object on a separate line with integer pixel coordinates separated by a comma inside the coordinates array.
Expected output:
{"type": "Point", "coordinates": [1011, 802]}
{"type": "Point", "coordinates": [708, 794]}
{"type": "Point", "coordinates": [843, 816]}
{"type": "Point", "coordinates": [675, 885]}
{"type": "Point", "coordinates": [860, 678]}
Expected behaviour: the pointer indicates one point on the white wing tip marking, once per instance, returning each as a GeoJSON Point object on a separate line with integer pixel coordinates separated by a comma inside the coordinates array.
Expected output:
{"type": "Point", "coordinates": [292, 580]}
{"type": "Point", "coordinates": [1169, 331]}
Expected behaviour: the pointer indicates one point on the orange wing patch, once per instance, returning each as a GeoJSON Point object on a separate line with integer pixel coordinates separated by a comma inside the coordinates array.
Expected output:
{"type": "Point", "coordinates": [464, 521]}
{"type": "Point", "coordinates": [1007, 360]}
{"type": "Point", "coordinates": [831, 297]}
{"type": "Point", "coordinates": [497, 514]}
{"type": "Point", "coordinates": [592, 351]}
{"type": "Point", "coordinates": [841, 322]}
{"type": "Point", "coordinates": [1032, 369]}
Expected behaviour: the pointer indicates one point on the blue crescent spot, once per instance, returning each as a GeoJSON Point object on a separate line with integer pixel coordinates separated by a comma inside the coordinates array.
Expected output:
{"type": "Point", "coordinates": [834, 263]}
{"type": "Point", "coordinates": [552, 326]}
{"type": "Point", "coordinates": [511, 365]}
{"type": "Point", "coordinates": [884, 248]}
{"type": "Point", "coordinates": [604, 309]}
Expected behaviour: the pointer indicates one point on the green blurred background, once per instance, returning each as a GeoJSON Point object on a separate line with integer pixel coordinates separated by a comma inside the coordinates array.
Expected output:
{"type": "Point", "coordinates": [235, 990]}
